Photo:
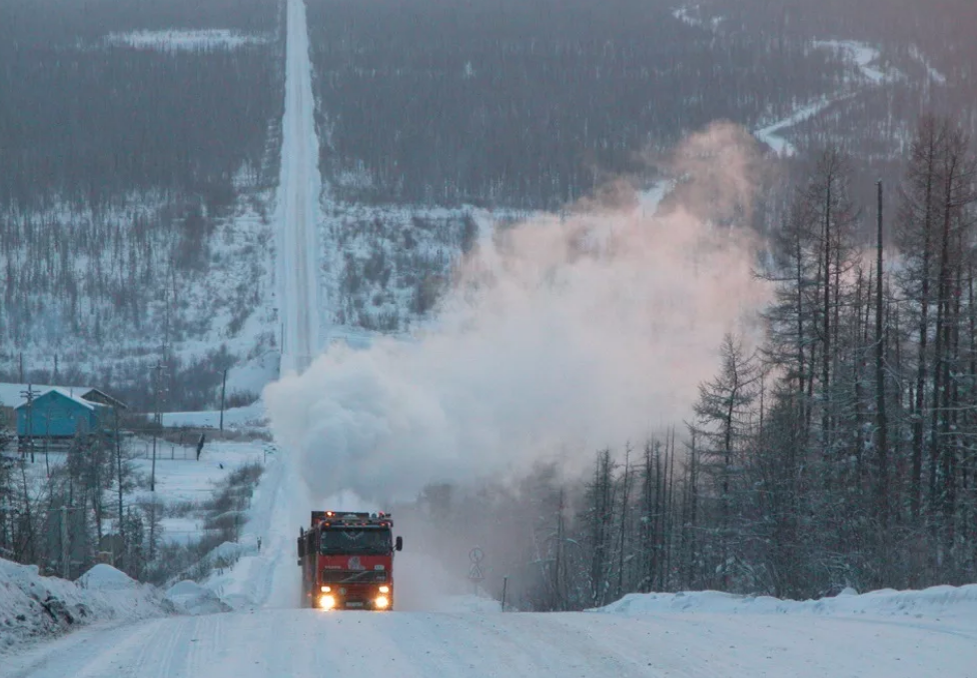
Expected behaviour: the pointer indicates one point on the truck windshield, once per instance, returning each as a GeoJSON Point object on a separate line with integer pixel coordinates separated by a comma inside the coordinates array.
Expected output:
{"type": "Point", "coordinates": [355, 541]}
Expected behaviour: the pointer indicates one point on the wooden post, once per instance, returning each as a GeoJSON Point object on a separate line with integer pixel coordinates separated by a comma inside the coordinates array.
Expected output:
{"type": "Point", "coordinates": [64, 542]}
{"type": "Point", "coordinates": [223, 391]}
{"type": "Point", "coordinates": [118, 460]}
{"type": "Point", "coordinates": [157, 422]}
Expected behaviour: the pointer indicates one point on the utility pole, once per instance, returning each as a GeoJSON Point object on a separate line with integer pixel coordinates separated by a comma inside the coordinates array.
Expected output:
{"type": "Point", "coordinates": [29, 395]}
{"type": "Point", "coordinates": [47, 440]}
{"type": "Point", "coordinates": [64, 541]}
{"type": "Point", "coordinates": [223, 391]}
{"type": "Point", "coordinates": [157, 420]}
{"type": "Point", "coordinates": [118, 459]}
{"type": "Point", "coordinates": [21, 367]}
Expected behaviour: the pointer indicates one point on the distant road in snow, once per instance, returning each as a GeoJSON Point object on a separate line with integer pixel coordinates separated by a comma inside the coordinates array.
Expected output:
{"type": "Point", "coordinates": [859, 55]}
{"type": "Point", "coordinates": [298, 201]}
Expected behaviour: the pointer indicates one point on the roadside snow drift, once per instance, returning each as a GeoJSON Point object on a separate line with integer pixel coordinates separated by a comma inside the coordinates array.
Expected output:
{"type": "Point", "coordinates": [475, 640]}
{"type": "Point", "coordinates": [33, 607]}
{"type": "Point", "coordinates": [189, 597]}
{"type": "Point", "coordinates": [938, 603]}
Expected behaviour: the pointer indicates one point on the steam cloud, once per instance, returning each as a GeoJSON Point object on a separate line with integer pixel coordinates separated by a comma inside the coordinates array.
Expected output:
{"type": "Point", "coordinates": [559, 336]}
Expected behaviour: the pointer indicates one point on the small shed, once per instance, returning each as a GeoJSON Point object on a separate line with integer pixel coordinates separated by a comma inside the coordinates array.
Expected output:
{"type": "Point", "coordinates": [100, 397]}
{"type": "Point", "coordinates": [57, 414]}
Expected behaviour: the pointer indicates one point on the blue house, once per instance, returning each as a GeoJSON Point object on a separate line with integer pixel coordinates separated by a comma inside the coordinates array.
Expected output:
{"type": "Point", "coordinates": [57, 414]}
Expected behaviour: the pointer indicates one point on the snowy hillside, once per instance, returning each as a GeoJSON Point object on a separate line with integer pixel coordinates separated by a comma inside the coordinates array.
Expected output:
{"type": "Point", "coordinates": [385, 267]}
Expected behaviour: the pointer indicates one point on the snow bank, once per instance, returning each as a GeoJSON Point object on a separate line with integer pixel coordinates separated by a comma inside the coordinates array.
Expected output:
{"type": "Point", "coordinates": [188, 597]}
{"type": "Point", "coordinates": [938, 603]}
{"type": "Point", "coordinates": [104, 577]}
{"type": "Point", "coordinates": [34, 607]}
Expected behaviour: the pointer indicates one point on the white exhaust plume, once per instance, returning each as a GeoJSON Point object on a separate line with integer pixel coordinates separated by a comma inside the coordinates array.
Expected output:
{"type": "Point", "coordinates": [559, 336]}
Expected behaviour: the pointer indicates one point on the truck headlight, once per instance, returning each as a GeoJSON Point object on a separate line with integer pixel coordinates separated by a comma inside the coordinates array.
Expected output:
{"type": "Point", "coordinates": [384, 589]}
{"type": "Point", "coordinates": [382, 602]}
{"type": "Point", "coordinates": [327, 602]}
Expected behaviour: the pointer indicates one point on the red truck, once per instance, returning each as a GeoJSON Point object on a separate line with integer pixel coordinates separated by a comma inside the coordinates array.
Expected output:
{"type": "Point", "coordinates": [347, 560]}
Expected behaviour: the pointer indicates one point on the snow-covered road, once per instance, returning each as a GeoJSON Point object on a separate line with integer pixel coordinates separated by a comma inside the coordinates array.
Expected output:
{"type": "Point", "coordinates": [298, 201]}
{"type": "Point", "coordinates": [277, 642]}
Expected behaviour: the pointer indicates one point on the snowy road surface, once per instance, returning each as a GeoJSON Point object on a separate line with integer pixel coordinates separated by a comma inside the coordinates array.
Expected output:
{"type": "Point", "coordinates": [280, 642]}
{"type": "Point", "coordinates": [298, 201]}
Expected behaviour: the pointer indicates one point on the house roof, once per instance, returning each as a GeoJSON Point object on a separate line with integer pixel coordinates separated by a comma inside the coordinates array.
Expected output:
{"type": "Point", "coordinates": [70, 396]}
{"type": "Point", "coordinates": [102, 398]}
{"type": "Point", "coordinates": [10, 394]}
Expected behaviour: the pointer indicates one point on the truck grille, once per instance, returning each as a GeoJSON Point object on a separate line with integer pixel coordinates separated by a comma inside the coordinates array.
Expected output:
{"type": "Point", "coordinates": [353, 576]}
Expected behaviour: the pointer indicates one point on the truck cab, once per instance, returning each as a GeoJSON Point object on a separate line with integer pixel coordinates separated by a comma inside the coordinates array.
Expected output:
{"type": "Point", "coordinates": [347, 561]}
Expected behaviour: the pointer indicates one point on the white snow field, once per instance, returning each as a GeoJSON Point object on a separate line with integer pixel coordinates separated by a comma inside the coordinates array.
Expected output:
{"type": "Point", "coordinates": [298, 201]}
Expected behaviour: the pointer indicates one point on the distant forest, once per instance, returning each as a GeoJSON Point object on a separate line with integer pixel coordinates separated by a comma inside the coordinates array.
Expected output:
{"type": "Point", "coordinates": [90, 120]}
{"type": "Point", "coordinates": [118, 165]}
{"type": "Point", "coordinates": [528, 103]}
{"type": "Point", "coordinates": [531, 103]}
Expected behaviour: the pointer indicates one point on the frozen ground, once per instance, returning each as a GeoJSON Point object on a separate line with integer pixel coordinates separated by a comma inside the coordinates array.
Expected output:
{"type": "Point", "coordinates": [238, 417]}
{"type": "Point", "coordinates": [650, 636]}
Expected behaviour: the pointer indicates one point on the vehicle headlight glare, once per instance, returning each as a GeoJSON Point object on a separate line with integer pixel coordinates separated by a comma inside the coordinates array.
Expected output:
{"type": "Point", "coordinates": [384, 589]}
{"type": "Point", "coordinates": [327, 602]}
{"type": "Point", "coordinates": [326, 589]}
{"type": "Point", "coordinates": [382, 602]}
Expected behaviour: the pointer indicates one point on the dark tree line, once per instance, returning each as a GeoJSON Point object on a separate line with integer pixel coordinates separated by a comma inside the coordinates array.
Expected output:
{"type": "Point", "coordinates": [942, 29]}
{"type": "Point", "coordinates": [530, 104]}
{"type": "Point", "coordinates": [89, 121]}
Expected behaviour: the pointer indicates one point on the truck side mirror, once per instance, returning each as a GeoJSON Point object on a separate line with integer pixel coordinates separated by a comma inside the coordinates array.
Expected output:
{"type": "Point", "coordinates": [399, 544]}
